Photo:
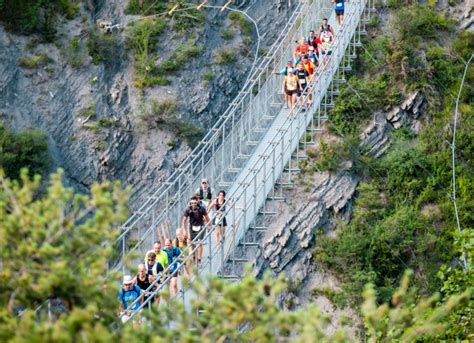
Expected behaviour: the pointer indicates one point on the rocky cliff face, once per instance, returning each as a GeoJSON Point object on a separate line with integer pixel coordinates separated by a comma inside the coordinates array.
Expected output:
{"type": "Point", "coordinates": [89, 111]}
{"type": "Point", "coordinates": [286, 247]}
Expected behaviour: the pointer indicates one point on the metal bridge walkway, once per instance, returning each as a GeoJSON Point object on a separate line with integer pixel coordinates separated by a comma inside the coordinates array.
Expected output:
{"type": "Point", "coordinates": [275, 144]}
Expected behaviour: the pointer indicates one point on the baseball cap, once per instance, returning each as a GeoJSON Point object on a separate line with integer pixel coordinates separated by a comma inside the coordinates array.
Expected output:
{"type": "Point", "coordinates": [310, 48]}
{"type": "Point", "coordinates": [127, 280]}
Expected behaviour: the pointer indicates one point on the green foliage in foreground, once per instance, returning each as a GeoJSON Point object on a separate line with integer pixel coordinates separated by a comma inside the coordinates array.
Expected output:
{"type": "Point", "coordinates": [63, 258]}
{"type": "Point", "coordinates": [23, 149]}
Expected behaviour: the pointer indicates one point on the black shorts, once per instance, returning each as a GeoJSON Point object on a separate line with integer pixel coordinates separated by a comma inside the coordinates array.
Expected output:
{"type": "Point", "coordinates": [339, 12]}
{"type": "Point", "coordinates": [290, 92]}
{"type": "Point", "coordinates": [194, 234]}
{"type": "Point", "coordinates": [302, 91]}
{"type": "Point", "coordinates": [223, 222]}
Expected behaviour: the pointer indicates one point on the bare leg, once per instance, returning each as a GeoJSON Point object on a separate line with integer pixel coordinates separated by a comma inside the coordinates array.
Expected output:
{"type": "Point", "coordinates": [199, 251]}
{"type": "Point", "coordinates": [218, 234]}
{"type": "Point", "coordinates": [174, 286]}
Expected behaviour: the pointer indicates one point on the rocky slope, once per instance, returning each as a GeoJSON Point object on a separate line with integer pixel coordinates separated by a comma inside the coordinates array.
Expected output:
{"type": "Point", "coordinates": [288, 243]}
{"type": "Point", "coordinates": [89, 111]}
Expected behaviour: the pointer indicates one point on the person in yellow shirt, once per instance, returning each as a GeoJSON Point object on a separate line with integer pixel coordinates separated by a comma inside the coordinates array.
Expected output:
{"type": "Point", "coordinates": [290, 86]}
{"type": "Point", "coordinates": [161, 256]}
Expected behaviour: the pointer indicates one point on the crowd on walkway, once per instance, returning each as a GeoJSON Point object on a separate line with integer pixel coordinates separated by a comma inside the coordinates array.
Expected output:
{"type": "Point", "coordinates": [163, 261]}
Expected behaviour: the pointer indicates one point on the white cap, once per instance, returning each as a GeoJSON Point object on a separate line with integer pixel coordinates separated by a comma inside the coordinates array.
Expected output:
{"type": "Point", "coordinates": [311, 48]}
{"type": "Point", "coordinates": [127, 280]}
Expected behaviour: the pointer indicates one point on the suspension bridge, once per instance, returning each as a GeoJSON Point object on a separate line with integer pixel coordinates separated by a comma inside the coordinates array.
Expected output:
{"type": "Point", "coordinates": [252, 151]}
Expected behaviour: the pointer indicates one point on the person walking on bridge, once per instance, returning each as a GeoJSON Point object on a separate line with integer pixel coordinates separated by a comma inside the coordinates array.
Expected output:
{"type": "Point", "coordinates": [198, 217]}
{"type": "Point", "coordinates": [339, 10]}
{"type": "Point", "coordinates": [290, 87]}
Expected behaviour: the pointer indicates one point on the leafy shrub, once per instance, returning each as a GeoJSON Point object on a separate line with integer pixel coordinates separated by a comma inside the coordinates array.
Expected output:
{"type": "Point", "coordinates": [208, 75]}
{"type": "Point", "coordinates": [243, 23]}
{"type": "Point", "coordinates": [421, 22]}
{"type": "Point", "coordinates": [34, 16]}
{"type": "Point", "coordinates": [142, 38]}
{"type": "Point", "coordinates": [102, 47]}
{"type": "Point", "coordinates": [26, 149]}
{"type": "Point", "coordinates": [76, 53]}
{"type": "Point", "coordinates": [162, 115]}
{"type": "Point", "coordinates": [157, 113]}
{"type": "Point", "coordinates": [34, 61]}
{"type": "Point", "coordinates": [88, 112]}
{"type": "Point", "coordinates": [145, 7]}
{"type": "Point", "coordinates": [332, 155]}
{"type": "Point", "coordinates": [225, 55]}
{"type": "Point", "coordinates": [180, 57]}
{"type": "Point", "coordinates": [227, 33]}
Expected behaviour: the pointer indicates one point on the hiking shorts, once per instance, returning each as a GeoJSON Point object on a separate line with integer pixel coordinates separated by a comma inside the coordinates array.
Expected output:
{"type": "Point", "coordinates": [339, 12]}
{"type": "Point", "coordinates": [290, 92]}
{"type": "Point", "coordinates": [194, 234]}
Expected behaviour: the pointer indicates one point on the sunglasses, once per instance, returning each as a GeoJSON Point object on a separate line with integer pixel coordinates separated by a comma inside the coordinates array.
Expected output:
{"type": "Point", "coordinates": [204, 183]}
{"type": "Point", "coordinates": [193, 203]}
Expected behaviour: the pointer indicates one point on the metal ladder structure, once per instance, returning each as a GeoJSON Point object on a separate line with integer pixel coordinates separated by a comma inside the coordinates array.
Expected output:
{"type": "Point", "coordinates": [252, 151]}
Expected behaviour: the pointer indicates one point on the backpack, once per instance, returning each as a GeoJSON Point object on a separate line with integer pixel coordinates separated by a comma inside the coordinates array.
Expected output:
{"type": "Point", "coordinates": [201, 193]}
{"type": "Point", "coordinates": [325, 29]}
{"type": "Point", "coordinates": [135, 289]}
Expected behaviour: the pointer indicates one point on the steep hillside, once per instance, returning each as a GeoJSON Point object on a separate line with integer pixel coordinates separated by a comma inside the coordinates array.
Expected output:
{"type": "Point", "coordinates": [109, 110]}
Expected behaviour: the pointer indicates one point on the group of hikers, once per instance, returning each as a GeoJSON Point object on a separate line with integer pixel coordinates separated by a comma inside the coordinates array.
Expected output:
{"type": "Point", "coordinates": [162, 262]}
{"type": "Point", "coordinates": [308, 54]}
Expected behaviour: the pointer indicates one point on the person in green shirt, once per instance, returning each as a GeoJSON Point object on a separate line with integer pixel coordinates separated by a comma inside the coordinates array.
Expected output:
{"type": "Point", "coordinates": [161, 256]}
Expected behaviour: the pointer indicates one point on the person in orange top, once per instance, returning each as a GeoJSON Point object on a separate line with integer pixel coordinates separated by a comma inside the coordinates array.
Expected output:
{"type": "Point", "coordinates": [309, 65]}
{"type": "Point", "coordinates": [301, 48]}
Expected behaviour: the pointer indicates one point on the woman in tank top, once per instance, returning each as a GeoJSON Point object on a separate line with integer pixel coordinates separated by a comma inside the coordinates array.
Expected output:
{"type": "Point", "coordinates": [219, 205]}
{"type": "Point", "coordinates": [144, 281]}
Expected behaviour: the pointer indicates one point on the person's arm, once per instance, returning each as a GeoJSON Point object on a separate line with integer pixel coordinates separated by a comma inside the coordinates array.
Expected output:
{"type": "Point", "coordinates": [332, 31]}
{"type": "Point", "coordinates": [211, 205]}
{"type": "Point", "coordinates": [168, 232]}
{"type": "Point", "coordinates": [120, 301]}
{"type": "Point", "coordinates": [183, 224]}
{"type": "Point", "coordinates": [299, 83]}
{"type": "Point", "coordinates": [160, 235]}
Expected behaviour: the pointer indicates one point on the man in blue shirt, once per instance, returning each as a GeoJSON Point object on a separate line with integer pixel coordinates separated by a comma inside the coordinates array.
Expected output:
{"type": "Point", "coordinates": [127, 295]}
{"type": "Point", "coordinates": [173, 254]}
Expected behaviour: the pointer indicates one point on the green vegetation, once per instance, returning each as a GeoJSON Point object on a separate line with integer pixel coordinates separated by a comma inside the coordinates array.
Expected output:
{"type": "Point", "coordinates": [403, 215]}
{"type": "Point", "coordinates": [208, 75]}
{"type": "Point", "coordinates": [180, 57]}
{"type": "Point", "coordinates": [71, 271]}
{"type": "Point", "coordinates": [34, 61]}
{"type": "Point", "coordinates": [225, 55]}
{"type": "Point", "coordinates": [142, 38]}
{"type": "Point", "coordinates": [36, 16]}
{"type": "Point", "coordinates": [23, 149]}
{"type": "Point", "coordinates": [182, 21]}
{"type": "Point", "coordinates": [76, 52]}
{"type": "Point", "coordinates": [163, 115]}
{"type": "Point", "coordinates": [88, 111]}
{"type": "Point", "coordinates": [102, 47]}
{"type": "Point", "coordinates": [227, 33]}
{"type": "Point", "coordinates": [244, 25]}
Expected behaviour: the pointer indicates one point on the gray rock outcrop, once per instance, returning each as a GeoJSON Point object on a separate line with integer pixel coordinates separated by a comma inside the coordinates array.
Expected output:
{"type": "Point", "coordinates": [89, 111]}
{"type": "Point", "coordinates": [287, 244]}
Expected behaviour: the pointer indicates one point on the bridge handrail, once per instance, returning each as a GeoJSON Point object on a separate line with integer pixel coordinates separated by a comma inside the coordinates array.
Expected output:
{"type": "Point", "coordinates": [199, 153]}
{"type": "Point", "coordinates": [325, 69]}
